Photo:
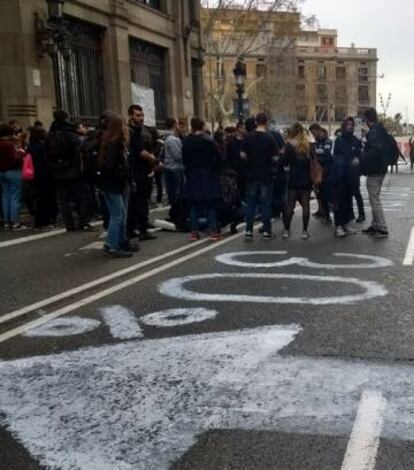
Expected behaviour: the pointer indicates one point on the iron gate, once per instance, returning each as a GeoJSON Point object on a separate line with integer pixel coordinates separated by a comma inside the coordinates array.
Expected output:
{"type": "Point", "coordinates": [79, 79]}
{"type": "Point", "coordinates": [148, 70]}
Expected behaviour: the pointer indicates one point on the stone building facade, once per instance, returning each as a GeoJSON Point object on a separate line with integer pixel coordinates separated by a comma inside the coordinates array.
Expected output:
{"type": "Point", "coordinates": [306, 77]}
{"type": "Point", "coordinates": [155, 44]}
{"type": "Point", "coordinates": [333, 82]}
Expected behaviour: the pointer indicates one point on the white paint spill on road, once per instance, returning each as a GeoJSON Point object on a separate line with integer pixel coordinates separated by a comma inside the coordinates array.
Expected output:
{"type": "Point", "coordinates": [141, 404]}
{"type": "Point", "coordinates": [361, 453]}
{"type": "Point", "coordinates": [64, 327]}
{"type": "Point", "coordinates": [373, 262]}
{"type": "Point", "coordinates": [122, 322]}
{"type": "Point", "coordinates": [409, 254]}
{"type": "Point", "coordinates": [178, 317]}
{"type": "Point", "coordinates": [175, 288]}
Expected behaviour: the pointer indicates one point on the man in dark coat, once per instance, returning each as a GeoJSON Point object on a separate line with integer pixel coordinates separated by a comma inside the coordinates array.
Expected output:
{"type": "Point", "coordinates": [201, 159]}
{"type": "Point", "coordinates": [142, 162]}
{"type": "Point", "coordinates": [374, 166]}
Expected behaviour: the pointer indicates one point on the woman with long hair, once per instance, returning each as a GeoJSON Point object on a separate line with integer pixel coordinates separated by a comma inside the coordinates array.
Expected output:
{"type": "Point", "coordinates": [113, 182]}
{"type": "Point", "coordinates": [297, 158]}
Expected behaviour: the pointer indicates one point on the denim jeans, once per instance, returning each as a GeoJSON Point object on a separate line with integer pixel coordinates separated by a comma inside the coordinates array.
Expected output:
{"type": "Point", "coordinates": [11, 185]}
{"type": "Point", "coordinates": [199, 209]}
{"type": "Point", "coordinates": [259, 193]}
{"type": "Point", "coordinates": [374, 186]}
{"type": "Point", "coordinates": [117, 220]}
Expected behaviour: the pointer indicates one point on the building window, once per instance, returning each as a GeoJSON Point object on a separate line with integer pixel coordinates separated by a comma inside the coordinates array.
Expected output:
{"type": "Point", "coordinates": [301, 72]}
{"type": "Point", "coordinates": [196, 78]}
{"type": "Point", "coordinates": [148, 70]}
{"type": "Point", "coordinates": [260, 70]}
{"type": "Point", "coordinates": [341, 73]}
{"type": "Point", "coordinates": [301, 113]}
{"type": "Point", "coordinates": [151, 3]}
{"type": "Point", "coordinates": [363, 74]}
{"type": "Point", "coordinates": [301, 92]}
{"type": "Point", "coordinates": [322, 93]}
{"type": "Point", "coordinates": [321, 114]}
{"type": "Point", "coordinates": [322, 72]}
{"type": "Point", "coordinates": [340, 113]}
{"type": "Point", "coordinates": [363, 94]}
{"type": "Point", "coordinates": [79, 78]}
{"type": "Point", "coordinates": [341, 94]}
{"type": "Point", "coordinates": [328, 42]}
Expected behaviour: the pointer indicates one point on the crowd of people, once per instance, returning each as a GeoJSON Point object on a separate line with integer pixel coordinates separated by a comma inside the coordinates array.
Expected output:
{"type": "Point", "coordinates": [237, 174]}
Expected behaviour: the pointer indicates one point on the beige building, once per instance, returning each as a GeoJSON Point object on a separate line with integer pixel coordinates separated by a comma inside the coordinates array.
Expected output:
{"type": "Point", "coordinates": [292, 74]}
{"type": "Point", "coordinates": [155, 44]}
{"type": "Point", "coordinates": [333, 82]}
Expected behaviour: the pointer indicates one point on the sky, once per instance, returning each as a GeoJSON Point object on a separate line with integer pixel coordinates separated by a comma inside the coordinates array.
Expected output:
{"type": "Point", "coordinates": [387, 26]}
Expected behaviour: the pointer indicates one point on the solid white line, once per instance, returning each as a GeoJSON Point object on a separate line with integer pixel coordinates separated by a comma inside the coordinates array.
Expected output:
{"type": "Point", "coordinates": [361, 453]}
{"type": "Point", "coordinates": [111, 290]}
{"type": "Point", "coordinates": [53, 233]}
{"type": "Point", "coordinates": [409, 254]}
{"type": "Point", "coordinates": [96, 282]}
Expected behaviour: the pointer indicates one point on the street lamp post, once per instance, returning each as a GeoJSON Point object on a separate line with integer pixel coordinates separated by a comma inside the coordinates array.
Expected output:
{"type": "Point", "coordinates": [240, 76]}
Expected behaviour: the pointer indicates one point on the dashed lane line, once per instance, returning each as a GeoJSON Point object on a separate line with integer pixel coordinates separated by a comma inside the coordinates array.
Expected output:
{"type": "Point", "coordinates": [361, 453]}
{"type": "Point", "coordinates": [409, 254]}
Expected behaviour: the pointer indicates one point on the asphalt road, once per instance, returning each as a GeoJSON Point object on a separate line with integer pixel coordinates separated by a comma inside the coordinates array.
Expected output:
{"type": "Point", "coordinates": [271, 355]}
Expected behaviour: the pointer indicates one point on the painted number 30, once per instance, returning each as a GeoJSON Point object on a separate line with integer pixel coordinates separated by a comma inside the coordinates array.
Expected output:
{"type": "Point", "coordinates": [123, 324]}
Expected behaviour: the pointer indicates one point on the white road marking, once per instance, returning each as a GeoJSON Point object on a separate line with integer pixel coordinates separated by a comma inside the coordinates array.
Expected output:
{"type": "Point", "coordinates": [178, 317]}
{"type": "Point", "coordinates": [409, 254]}
{"type": "Point", "coordinates": [361, 453]}
{"type": "Point", "coordinates": [70, 326]}
{"type": "Point", "coordinates": [122, 322]}
{"type": "Point", "coordinates": [230, 259]}
{"type": "Point", "coordinates": [93, 246]}
{"type": "Point", "coordinates": [53, 233]}
{"type": "Point", "coordinates": [175, 288]}
{"type": "Point", "coordinates": [83, 287]}
{"type": "Point", "coordinates": [178, 388]}
{"type": "Point", "coordinates": [40, 236]}
{"type": "Point", "coordinates": [111, 290]}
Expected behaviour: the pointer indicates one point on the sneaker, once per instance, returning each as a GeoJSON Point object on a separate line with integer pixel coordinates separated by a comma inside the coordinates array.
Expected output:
{"type": "Point", "coordinates": [18, 227]}
{"type": "Point", "coordinates": [147, 236]}
{"type": "Point", "coordinates": [266, 236]}
{"type": "Point", "coordinates": [305, 235]}
{"type": "Point", "coordinates": [215, 237]}
{"type": "Point", "coordinates": [87, 228]}
{"type": "Point", "coordinates": [103, 235]}
{"type": "Point", "coordinates": [194, 236]}
{"type": "Point", "coordinates": [369, 231]}
{"type": "Point", "coordinates": [286, 234]}
{"type": "Point", "coordinates": [111, 253]}
{"type": "Point", "coordinates": [340, 232]}
{"type": "Point", "coordinates": [248, 237]}
{"type": "Point", "coordinates": [361, 219]}
{"type": "Point", "coordinates": [349, 230]}
{"type": "Point", "coordinates": [133, 234]}
{"type": "Point", "coordinates": [381, 234]}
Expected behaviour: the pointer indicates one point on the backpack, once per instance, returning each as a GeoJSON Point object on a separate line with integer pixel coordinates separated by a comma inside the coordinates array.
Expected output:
{"type": "Point", "coordinates": [391, 150]}
{"type": "Point", "coordinates": [62, 149]}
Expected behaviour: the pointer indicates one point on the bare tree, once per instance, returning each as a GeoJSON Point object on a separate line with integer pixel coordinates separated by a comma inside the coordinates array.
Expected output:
{"type": "Point", "coordinates": [249, 28]}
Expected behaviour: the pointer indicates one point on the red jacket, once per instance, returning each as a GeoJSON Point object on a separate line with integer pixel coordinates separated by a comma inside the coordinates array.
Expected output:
{"type": "Point", "coordinates": [9, 157]}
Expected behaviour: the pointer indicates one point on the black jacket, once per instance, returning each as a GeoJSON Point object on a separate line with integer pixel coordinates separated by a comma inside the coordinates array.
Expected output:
{"type": "Point", "coordinates": [201, 159]}
{"type": "Point", "coordinates": [113, 169]}
{"type": "Point", "coordinates": [373, 158]}
{"type": "Point", "coordinates": [299, 168]}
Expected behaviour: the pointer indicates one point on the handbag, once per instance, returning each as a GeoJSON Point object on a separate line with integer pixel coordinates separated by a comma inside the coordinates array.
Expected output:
{"type": "Point", "coordinates": [316, 171]}
{"type": "Point", "coordinates": [28, 172]}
